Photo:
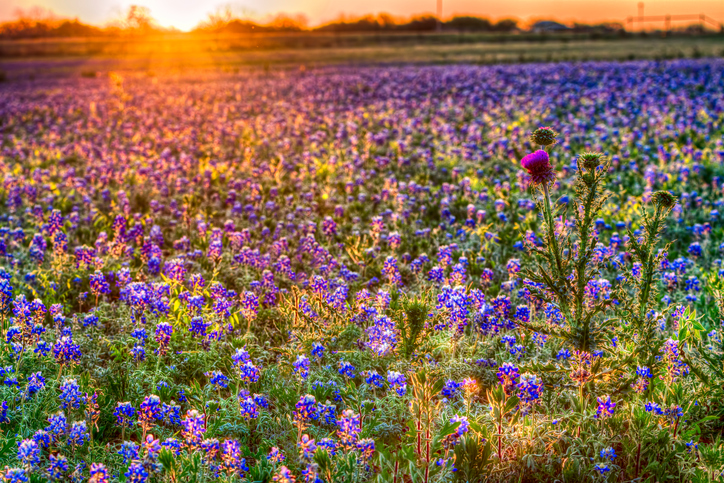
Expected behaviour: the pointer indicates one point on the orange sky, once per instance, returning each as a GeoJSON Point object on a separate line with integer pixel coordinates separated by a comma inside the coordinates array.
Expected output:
{"type": "Point", "coordinates": [185, 14]}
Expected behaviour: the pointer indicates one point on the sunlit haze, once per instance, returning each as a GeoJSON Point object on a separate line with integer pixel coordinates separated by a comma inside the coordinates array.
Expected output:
{"type": "Point", "coordinates": [185, 14]}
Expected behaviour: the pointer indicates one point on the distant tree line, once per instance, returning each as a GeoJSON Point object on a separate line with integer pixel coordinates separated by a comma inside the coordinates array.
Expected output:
{"type": "Point", "coordinates": [425, 23]}
{"type": "Point", "coordinates": [38, 23]}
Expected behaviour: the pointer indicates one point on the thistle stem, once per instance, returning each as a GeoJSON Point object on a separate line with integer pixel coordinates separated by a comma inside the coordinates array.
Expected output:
{"type": "Point", "coordinates": [553, 241]}
{"type": "Point", "coordinates": [648, 274]}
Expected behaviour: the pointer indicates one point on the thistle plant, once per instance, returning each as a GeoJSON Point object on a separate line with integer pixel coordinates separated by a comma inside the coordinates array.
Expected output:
{"type": "Point", "coordinates": [564, 267]}
{"type": "Point", "coordinates": [636, 306]}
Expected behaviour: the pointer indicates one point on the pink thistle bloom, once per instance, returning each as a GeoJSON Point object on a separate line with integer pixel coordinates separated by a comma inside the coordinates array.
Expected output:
{"type": "Point", "coordinates": [539, 167]}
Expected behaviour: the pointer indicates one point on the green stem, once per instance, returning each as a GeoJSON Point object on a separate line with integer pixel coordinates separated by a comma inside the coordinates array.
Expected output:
{"type": "Point", "coordinates": [155, 372]}
{"type": "Point", "coordinates": [584, 247]}
{"type": "Point", "coordinates": [555, 252]}
{"type": "Point", "coordinates": [649, 268]}
{"type": "Point", "coordinates": [553, 241]}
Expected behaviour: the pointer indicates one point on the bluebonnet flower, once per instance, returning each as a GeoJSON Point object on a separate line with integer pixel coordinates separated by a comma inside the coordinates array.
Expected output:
{"type": "Point", "coordinates": [199, 326]}
{"type": "Point", "coordinates": [307, 447]}
{"type": "Point", "coordinates": [78, 434]}
{"type": "Point", "coordinates": [348, 428]}
{"type": "Point", "coordinates": [306, 409]}
{"type": "Point", "coordinates": [451, 388]}
{"type": "Point", "coordinates": [318, 350]}
{"type": "Point", "coordinates": [125, 414]}
{"type": "Point", "coordinates": [14, 475]}
{"type": "Point", "coordinates": [691, 446]}
{"type": "Point", "coordinates": [275, 455]}
{"type": "Point", "coordinates": [194, 426]}
{"type": "Point", "coordinates": [99, 473]}
{"type": "Point", "coordinates": [217, 378]}
{"type": "Point", "coordinates": [42, 438]}
{"type": "Point", "coordinates": [602, 468]}
{"type": "Point", "coordinates": [346, 369]}
{"type": "Point", "coordinates": [382, 336]}
{"type": "Point", "coordinates": [136, 473]}
{"type": "Point", "coordinates": [164, 330]}
{"type": "Point", "coordinates": [57, 467]}
{"type": "Point", "coordinates": [508, 376]}
{"type": "Point", "coordinates": [464, 424]}
{"type": "Point", "coordinates": [248, 405]}
{"type": "Point", "coordinates": [436, 274]}
{"type": "Point", "coordinates": [674, 365]}
{"type": "Point", "coordinates": [175, 270]}
{"type": "Point", "coordinates": [605, 407]}
{"type": "Point", "coordinates": [608, 453]}
{"type": "Point", "coordinates": [170, 414]}
{"type": "Point", "coordinates": [90, 320]}
{"type": "Point", "coordinates": [66, 351]}
{"type": "Point", "coordinates": [328, 413]}
{"type": "Point", "coordinates": [99, 285]}
{"type": "Point", "coordinates": [249, 305]}
{"type": "Point", "coordinates": [694, 249]}
{"type": "Point", "coordinates": [8, 375]}
{"type": "Point", "coordinates": [329, 445]}
{"type": "Point", "coordinates": [232, 462]}
{"type": "Point", "coordinates": [57, 426]}
{"type": "Point", "coordinates": [149, 411]}
{"type": "Point", "coordinates": [653, 407]}
{"type": "Point", "coordinates": [397, 382]}
{"type": "Point", "coordinates": [29, 453]}
{"type": "Point", "coordinates": [284, 475]}
{"type": "Point", "coordinates": [301, 366]}
{"type": "Point", "coordinates": [643, 379]}
{"type": "Point", "coordinates": [129, 451]}
{"type": "Point", "coordinates": [70, 393]}
{"type": "Point", "coordinates": [241, 356]}
{"type": "Point", "coordinates": [309, 474]}
{"type": "Point", "coordinates": [42, 348]}
{"type": "Point", "coordinates": [391, 271]}
{"type": "Point", "coordinates": [372, 378]}
{"type": "Point", "coordinates": [530, 388]}
{"type": "Point", "coordinates": [172, 444]}
{"type": "Point", "coordinates": [366, 447]}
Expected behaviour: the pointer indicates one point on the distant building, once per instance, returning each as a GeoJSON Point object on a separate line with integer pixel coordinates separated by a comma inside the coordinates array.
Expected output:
{"type": "Point", "coordinates": [548, 26]}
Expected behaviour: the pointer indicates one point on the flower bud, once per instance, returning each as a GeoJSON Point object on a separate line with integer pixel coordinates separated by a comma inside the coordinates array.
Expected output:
{"type": "Point", "coordinates": [544, 136]}
{"type": "Point", "coordinates": [590, 161]}
{"type": "Point", "coordinates": [663, 199]}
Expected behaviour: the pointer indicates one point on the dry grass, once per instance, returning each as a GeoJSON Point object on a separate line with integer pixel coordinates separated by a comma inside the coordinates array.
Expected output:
{"type": "Point", "coordinates": [161, 56]}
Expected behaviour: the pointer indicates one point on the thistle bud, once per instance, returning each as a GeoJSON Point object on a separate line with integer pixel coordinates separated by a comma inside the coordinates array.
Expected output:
{"type": "Point", "coordinates": [544, 136]}
{"type": "Point", "coordinates": [663, 199]}
{"type": "Point", "coordinates": [590, 161]}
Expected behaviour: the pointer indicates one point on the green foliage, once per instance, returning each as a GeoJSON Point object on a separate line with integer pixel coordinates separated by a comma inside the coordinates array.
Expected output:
{"type": "Point", "coordinates": [412, 323]}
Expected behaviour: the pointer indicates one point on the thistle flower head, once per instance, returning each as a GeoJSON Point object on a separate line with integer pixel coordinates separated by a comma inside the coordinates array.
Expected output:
{"type": "Point", "coordinates": [539, 167]}
{"type": "Point", "coordinates": [543, 136]}
{"type": "Point", "coordinates": [663, 199]}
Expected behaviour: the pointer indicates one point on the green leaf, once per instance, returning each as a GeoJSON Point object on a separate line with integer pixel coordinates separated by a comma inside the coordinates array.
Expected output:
{"type": "Point", "coordinates": [511, 403]}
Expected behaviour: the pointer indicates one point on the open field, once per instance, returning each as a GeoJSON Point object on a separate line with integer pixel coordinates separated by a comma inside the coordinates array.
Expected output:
{"type": "Point", "coordinates": [215, 271]}
{"type": "Point", "coordinates": [72, 57]}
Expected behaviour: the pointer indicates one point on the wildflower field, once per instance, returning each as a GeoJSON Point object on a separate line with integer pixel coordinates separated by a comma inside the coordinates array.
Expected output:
{"type": "Point", "coordinates": [388, 274]}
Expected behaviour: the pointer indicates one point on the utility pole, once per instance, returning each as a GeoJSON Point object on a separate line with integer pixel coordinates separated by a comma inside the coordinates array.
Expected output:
{"type": "Point", "coordinates": [439, 15]}
{"type": "Point", "coordinates": [641, 14]}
